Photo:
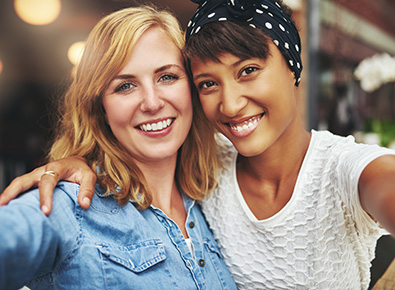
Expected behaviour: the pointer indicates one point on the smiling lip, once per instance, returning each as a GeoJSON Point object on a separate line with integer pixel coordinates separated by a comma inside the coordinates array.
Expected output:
{"type": "Point", "coordinates": [156, 126]}
{"type": "Point", "coordinates": [246, 127]}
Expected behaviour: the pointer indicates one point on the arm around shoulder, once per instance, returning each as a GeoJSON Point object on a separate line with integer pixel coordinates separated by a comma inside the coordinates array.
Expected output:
{"type": "Point", "coordinates": [377, 191]}
{"type": "Point", "coordinates": [73, 169]}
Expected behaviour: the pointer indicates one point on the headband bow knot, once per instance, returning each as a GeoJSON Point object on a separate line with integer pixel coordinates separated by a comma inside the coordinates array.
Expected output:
{"type": "Point", "coordinates": [242, 9]}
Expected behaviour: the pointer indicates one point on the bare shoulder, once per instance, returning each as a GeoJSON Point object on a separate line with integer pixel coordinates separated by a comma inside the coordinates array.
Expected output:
{"type": "Point", "coordinates": [380, 169]}
{"type": "Point", "coordinates": [377, 191]}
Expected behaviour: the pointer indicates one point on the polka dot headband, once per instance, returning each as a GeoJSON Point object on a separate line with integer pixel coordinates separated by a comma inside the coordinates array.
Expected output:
{"type": "Point", "coordinates": [266, 15]}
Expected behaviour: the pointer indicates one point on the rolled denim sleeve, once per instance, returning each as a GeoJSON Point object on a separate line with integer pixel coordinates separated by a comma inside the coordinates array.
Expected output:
{"type": "Point", "coordinates": [32, 244]}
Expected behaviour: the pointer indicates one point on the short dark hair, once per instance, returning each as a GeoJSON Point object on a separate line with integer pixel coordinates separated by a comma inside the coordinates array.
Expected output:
{"type": "Point", "coordinates": [237, 38]}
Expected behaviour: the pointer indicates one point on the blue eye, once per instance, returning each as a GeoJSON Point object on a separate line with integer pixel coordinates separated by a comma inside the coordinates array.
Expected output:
{"type": "Point", "coordinates": [169, 78]}
{"type": "Point", "coordinates": [124, 87]}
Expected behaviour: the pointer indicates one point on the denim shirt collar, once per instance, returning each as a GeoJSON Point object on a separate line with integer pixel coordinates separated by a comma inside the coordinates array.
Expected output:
{"type": "Point", "coordinates": [188, 202]}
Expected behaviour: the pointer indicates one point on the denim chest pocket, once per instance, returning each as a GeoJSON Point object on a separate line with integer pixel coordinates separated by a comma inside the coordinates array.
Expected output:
{"type": "Point", "coordinates": [137, 257]}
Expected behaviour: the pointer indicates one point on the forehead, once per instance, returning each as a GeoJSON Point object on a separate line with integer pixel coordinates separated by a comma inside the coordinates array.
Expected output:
{"type": "Point", "coordinates": [227, 62]}
{"type": "Point", "coordinates": [222, 59]}
{"type": "Point", "coordinates": [271, 51]}
{"type": "Point", "coordinates": [154, 48]}
{"type": "Point", "coordinates": [157, 40]}
{"type": "Point", "coordinates": [231, 57]}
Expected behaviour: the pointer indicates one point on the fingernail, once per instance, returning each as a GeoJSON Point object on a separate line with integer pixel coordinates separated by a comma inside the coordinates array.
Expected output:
{"type": "Point", "coordinates": [86, 201]}
{"type": "Point", "coordinates": [45, 209]}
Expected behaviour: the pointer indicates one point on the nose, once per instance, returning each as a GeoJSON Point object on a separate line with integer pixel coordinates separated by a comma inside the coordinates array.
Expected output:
{"type": "Point", "coordinates": [151, 99]}
{"type": "Point", "coordinates": [232, 101]}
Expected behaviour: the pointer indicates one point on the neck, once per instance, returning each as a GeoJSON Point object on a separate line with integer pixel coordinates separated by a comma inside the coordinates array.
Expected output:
{"type": "Point", "coordinates": [282, 161]}
{"type": "Point", "coordinates": [267, 180]}
{"type": "Point", "coordinates": [161, 181]}
{"type": "Point", "coordinates": [160, 177]}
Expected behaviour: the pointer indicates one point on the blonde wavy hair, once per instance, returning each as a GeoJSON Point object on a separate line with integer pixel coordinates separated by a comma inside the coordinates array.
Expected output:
{"type": "Point", "coordinates": [82, 129]}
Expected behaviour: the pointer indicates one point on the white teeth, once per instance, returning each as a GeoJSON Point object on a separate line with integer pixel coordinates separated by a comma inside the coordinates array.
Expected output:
{"type": "Point", "coordinates": [245, 125]}
{"type": "Point", "coordinates": [156, 126]}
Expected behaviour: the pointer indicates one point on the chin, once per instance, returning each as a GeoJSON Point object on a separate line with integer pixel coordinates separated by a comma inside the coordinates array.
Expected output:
{"type": "Point", "coordinates": [246, 151]}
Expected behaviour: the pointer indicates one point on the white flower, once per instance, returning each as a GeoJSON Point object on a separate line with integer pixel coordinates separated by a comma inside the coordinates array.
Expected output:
{"type": "Point", "coordinates": [375, 71]}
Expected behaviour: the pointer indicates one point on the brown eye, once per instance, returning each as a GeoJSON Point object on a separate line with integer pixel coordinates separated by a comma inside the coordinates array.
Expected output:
{"type": "Point", "coordinates": [248, 70]}
{"type": "Point", "coordinates": [205, 85]}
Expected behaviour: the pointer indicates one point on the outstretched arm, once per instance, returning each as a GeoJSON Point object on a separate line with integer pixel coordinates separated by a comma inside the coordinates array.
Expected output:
{"type": "Point", "coordinates": [73, 169]}
{"type": "Point", "coordinates": [377, 191]}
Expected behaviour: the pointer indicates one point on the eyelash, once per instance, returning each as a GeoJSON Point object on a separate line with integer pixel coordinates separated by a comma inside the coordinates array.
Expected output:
{"type": "Point", "coordinates": [122, 85]}
{"type": "Point", "coordinates": [200, 86]}
{"type": "Point", "coordinates": [244, 72]}
{"type": "Point", "coordinates": [170, 79]}
{"type": "Point", "coordinates": [251, 69]}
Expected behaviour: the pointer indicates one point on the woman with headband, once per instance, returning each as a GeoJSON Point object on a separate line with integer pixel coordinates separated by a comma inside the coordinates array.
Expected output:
{"type": "Point", "coordinates": [293, 209]}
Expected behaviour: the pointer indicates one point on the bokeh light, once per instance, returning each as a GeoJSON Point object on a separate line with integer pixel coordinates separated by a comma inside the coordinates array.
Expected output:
{"type": "Point", "coordinates": [75, 52]}
{"type": "Point", "coordinates": [38, 12]}
{"type": "Point", "coordinates": [1, 66]}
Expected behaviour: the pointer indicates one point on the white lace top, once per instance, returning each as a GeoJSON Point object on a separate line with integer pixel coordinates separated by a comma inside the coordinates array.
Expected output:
{"type": "Point", "coordinates": [321, 239]}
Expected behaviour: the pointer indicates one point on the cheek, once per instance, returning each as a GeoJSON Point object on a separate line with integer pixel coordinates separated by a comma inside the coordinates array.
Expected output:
{"type": "Point", "coordinates": [188, 110]}
{"type": "Point", "coordinates": [183, 101]}
{"type": "Point", "coordinates": [208, 106]}
{"type": "Point", "coordinates": [117, 112]}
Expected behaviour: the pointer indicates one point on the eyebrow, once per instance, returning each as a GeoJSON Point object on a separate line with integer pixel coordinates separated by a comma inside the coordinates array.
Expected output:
{"type": "Point", "coordinates": [166, 67]}
{"type": "Point", "coordinates": [158, 70]}
{"type": "Point", "coordinates": [123, 77]}
{"type": "Point", "coordinates": [233, 65]}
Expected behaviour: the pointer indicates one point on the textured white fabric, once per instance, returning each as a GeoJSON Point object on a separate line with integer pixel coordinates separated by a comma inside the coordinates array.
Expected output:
{"type": "Point", "coordinates": [190, 246]}
{"type": "Point", "coordinates": [321, 239]}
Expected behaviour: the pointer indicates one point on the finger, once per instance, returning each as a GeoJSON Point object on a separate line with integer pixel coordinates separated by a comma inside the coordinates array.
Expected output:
{"type": "Point", "coordinates": [87, 190]}
{"type": "Point", "coordinates": [21, 184]}
{"type": "Point", "coordinates": [46, 187]}
{"type": "Point", "coordinates": [68, 169]}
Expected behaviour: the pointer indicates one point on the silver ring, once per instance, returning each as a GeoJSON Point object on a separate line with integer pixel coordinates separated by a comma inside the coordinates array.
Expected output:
{"type": "Point", "coordinates": [51, 173]}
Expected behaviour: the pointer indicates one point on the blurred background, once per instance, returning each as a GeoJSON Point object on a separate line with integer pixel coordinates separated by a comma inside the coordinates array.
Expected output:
{"type": "Point", "coordinates": [348, 82]}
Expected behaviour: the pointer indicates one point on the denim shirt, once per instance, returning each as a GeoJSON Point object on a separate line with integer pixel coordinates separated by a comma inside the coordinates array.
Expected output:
{"type": "Point", "coordinates": [107, 246]}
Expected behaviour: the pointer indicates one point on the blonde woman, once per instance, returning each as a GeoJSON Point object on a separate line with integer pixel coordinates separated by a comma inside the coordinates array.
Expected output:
{"type": "Point", "coordinates": [128, 112]}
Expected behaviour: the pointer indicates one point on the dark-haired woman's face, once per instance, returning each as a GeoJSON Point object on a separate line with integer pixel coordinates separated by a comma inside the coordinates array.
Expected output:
{"type": "Point", "coordinates": [252, 102]}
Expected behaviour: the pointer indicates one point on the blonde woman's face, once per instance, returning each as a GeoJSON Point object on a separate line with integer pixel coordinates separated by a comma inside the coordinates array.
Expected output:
{"type": "Point", "coordinates": [148, 104]}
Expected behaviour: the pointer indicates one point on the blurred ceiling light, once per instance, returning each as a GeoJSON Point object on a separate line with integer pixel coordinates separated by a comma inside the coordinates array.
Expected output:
{"type": "Point", "coordinates": [1, 66]}
{"type": "Point", "coordinates": [37, 12]}
{"type": "Point", "coordinates": [75, 52]}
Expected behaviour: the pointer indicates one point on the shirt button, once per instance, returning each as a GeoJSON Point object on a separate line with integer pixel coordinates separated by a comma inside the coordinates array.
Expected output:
{"type": "Point", "coordinates": [191, 225]}
{"type": "Point", "coordinates": [202, 263]}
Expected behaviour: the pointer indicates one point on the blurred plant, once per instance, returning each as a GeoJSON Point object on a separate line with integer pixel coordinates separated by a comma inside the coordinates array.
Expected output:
{"type": "Point", "coordinates": [375, 71]}
{"type": "Point", "coordinates": [384, 128]}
